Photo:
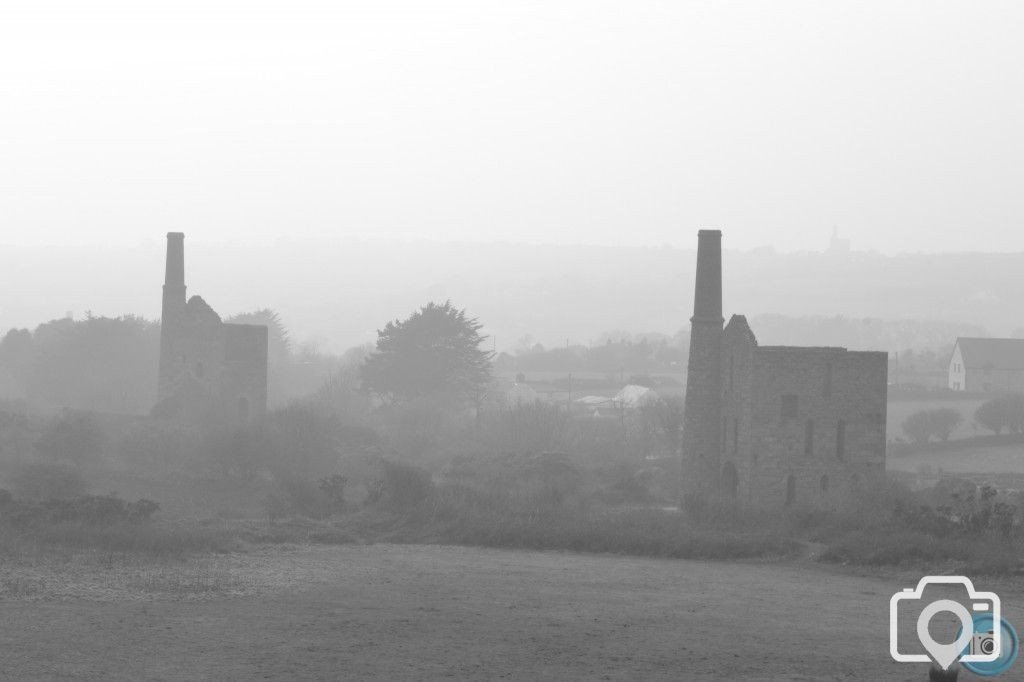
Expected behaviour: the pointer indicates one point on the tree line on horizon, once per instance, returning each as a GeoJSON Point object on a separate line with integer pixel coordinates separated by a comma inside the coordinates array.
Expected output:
{"type": "Point", "coordinates": [109, 364]}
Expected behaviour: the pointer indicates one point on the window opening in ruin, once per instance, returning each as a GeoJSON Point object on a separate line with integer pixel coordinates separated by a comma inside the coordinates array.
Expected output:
{"type": "Point", "coordinates": [809, 437]}
{"type": "Point", "coordinates": [841, 439]}
{"type": "Point", "coordinates": [790, 490]}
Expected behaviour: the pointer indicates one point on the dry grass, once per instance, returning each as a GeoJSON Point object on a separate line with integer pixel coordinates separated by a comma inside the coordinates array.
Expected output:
{"type": "Point", "coordinates": [427, 612]}
{"type": "Point", "coordinates": [103, 576]}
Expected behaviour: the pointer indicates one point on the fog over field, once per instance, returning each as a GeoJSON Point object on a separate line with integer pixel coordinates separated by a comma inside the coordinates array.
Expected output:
{"type": "Point", "coordinates": [520, 340]}
{"type": "Point", "coordinates": [337, 292]}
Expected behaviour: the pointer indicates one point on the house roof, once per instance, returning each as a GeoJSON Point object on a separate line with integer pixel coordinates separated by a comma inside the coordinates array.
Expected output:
{"type": "Point", "coordinates": [738, 325]}
{"type": "Point", "coordinates": [992, 353]}
{"type": "Point", "coordinates": [200, 310]}
{"type": "Point", "coordinates": [593, 400]}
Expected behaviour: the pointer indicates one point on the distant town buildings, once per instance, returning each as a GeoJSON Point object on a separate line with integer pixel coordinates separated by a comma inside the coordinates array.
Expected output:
{"type": "Point", "coordinates": [209, 370]}
{"type": "Point", "coordinates": [987, 365]}
{"type": "Point", "coordinates": [838, 244]}
{"type": "Point", "coordinates": [774, 426]}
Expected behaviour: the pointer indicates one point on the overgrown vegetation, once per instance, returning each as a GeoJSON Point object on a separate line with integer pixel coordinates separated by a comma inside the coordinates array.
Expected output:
{"type": "Point", "coordinates": [383, 453]}
{"type": "Point", "coordinates": [1002, 413]}
{"type": "Point", "coordinates": [939, 423]}
{"type": "Point", "coordinates": [99, 522]}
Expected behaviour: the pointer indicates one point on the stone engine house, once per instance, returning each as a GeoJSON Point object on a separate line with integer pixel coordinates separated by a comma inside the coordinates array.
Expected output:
{"type": "Point", "coordinates": [775, 426]}
{"type": "Point", "coordinates": [209, 371]}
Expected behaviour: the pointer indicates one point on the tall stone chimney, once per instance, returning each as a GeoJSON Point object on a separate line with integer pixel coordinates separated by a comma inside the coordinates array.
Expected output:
{"type": "Point", "coordinates": [171, 312]}
{"type": "Point", "coordinates": [702, 422]}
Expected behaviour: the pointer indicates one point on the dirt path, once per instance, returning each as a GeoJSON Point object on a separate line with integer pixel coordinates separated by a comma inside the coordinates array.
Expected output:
{"type": "Point", "coordinates": [422, 612]}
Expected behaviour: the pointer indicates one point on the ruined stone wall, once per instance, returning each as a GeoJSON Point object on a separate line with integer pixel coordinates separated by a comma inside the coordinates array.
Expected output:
{"type": "Point", "coordinates": [243, 387]}
{"type": "Point", "coordinates": [192, 348]}
{"type": "Point", "coordinates": [817, 426]}
{"type": "Point", "coordinates": [776, 426]}
{"type": "Point", "coordinates": [738, 347]}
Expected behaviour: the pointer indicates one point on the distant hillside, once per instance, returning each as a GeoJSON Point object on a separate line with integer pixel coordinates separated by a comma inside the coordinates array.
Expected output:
{"type": "Point", "coordinates": [860, 333]}
{"type": "Point", "coordinates": [339, 293]}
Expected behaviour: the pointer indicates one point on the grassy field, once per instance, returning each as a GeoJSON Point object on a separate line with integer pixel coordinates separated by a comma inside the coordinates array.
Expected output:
{"type": "Point", "coordinates": [428, 612]}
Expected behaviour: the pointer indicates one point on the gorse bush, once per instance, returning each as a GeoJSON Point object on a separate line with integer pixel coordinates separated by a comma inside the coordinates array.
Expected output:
{"type": "Point", "coordinates": [970, 511]}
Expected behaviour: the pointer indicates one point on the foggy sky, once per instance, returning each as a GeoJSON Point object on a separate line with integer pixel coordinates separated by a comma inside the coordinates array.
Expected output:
{"type": "Point", "coordinates": [630, 123]}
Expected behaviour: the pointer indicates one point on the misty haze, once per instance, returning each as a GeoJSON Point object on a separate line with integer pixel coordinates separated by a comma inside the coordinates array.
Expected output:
{"type": "Point", "coordinates": [511, 341]}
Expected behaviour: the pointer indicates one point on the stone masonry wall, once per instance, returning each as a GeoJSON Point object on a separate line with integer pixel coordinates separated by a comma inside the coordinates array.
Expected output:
{"type": "Point", "coordinates": [831, 443]}
{"type": "Point", "coordinates": [738, 347]}
{"type": "Point", "coordinates": [244, 380]}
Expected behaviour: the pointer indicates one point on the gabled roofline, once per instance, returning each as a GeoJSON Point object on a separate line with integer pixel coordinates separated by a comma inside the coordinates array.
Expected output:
{"type": "Point", "coordinates": [740, 324]}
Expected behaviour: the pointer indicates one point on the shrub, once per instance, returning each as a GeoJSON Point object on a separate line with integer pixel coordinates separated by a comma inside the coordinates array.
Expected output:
{"type": "Point", "coordinates": [1003, 412]}
{"type": "Point", "coordinates": [276, 506]}
{"type": "Point", "coordinates": [157, 442]}
{"type": "Point", "coordinates": [142, 510]}
{"type": "Point", "coordinates": [894, 548]}
{"type": "Point", "coordinates": [546, 479]}
{"type": "Point", "coordinates": [333, 488]}
{"type": "Point", "coordinates": [922, 426]}
{"type": "Point", "coordinates": [945, 421]}
{"type": "Point", "coordinates": [237, 452]}
{"type": "Point", "coordinates": [304, 439]}
{"type": "Point", "coordinates": [401, 486]}
{"type": "Point", "coordinates": [302, 497]}
{"type": "Point", "coordinates": [643, 532]}
{"type": "Point", "coordinates": [528, 428]}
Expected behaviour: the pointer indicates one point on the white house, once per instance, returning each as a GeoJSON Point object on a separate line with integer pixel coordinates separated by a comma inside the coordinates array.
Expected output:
{"type": "Point", "coordinates": [987, 365]}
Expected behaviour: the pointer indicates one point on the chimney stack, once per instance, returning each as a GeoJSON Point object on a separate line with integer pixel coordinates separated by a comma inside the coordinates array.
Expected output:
{"type": "Point", "coordinates": [174, 272]}
{"type": "Point", "coordinates": [171, 313]}
{"type": "Point", "coordinates": [707, 296]}
{"type": "Point", "coordinates": [703, 411]}
{"type": "Point", "coordinates": [174, 275]}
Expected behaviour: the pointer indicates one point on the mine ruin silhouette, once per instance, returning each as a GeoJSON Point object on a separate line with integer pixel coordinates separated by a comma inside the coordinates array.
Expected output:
{"type": "Point", "coordinates": [773, 426]}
